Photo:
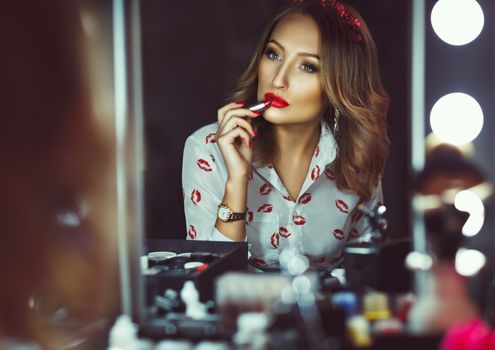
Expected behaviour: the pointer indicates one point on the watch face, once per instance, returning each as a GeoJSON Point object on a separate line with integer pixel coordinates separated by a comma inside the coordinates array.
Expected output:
{"type": "Point", "coordinates": [223, 213]}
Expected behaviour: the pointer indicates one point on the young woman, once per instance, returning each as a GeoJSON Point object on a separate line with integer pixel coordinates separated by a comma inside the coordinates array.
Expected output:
{"type": "Point", "coordinates": [294, 176]}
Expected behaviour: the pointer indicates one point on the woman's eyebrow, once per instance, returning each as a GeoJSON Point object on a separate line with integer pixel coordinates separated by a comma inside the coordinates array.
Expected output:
{"type": "Point", "coordinates": [281, 47]}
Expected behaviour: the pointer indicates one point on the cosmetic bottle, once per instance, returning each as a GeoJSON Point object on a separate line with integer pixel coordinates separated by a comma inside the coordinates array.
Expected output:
{"type": "Point", "coordinates": [251, 331]}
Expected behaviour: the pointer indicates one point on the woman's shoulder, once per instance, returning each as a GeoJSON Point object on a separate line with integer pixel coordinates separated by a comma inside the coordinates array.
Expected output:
{"type": "Point", "coordinates": [202, 140]}
{"type": "Point", "coordinates": [205, 134]}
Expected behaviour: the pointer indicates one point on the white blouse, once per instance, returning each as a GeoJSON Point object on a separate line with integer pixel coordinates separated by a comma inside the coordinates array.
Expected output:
{"type": "Point", "coordinates": [317, 223]}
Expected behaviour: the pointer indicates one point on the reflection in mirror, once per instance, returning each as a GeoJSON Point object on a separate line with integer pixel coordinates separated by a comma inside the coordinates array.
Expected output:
{"type": "Point", "coordinates": [191, 64]}
{"type": "Point", "coordinates": [265, 177]}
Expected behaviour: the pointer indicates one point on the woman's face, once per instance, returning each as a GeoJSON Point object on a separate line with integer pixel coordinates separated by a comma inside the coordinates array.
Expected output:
{"type": "Point", "coordinates": [290, 69]}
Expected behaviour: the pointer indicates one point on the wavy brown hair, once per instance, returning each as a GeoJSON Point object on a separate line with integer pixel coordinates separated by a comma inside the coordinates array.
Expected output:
{"type": "Point", "coordinates": [351, 80]}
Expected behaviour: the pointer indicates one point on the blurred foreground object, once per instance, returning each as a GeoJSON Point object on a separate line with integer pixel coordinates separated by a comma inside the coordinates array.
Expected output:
{"type": "Point", "coordinates": [56, 242]}
{"type": "Point", "coordinates": [451, 194]}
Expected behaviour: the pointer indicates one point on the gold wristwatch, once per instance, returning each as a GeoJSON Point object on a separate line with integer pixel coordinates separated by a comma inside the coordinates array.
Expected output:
{"type": "Point", "coordinates": [226, 214]}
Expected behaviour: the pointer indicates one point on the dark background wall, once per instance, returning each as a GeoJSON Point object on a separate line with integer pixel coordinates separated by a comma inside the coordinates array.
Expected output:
{"type": "Point", "coordinates": [194, 51]}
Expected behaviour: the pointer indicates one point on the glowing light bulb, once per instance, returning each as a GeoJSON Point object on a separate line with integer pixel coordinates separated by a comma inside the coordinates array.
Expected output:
{"type": "Point", "coordinates": [469, 202]}
{"type": "Point", "coordinates": [468, 262]}
{"type": "Point", "coordinates": [457, 22]}
{"type": "Point", "coordinates": [456, 118]}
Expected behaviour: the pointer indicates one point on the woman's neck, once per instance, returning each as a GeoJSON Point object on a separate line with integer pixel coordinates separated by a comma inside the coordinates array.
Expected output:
{"type": "Point", "coordinates": [296, 142]}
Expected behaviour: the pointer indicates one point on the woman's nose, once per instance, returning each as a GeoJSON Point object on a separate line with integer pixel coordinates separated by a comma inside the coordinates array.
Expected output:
{"type": "Point", "coordinates": [280, 80]}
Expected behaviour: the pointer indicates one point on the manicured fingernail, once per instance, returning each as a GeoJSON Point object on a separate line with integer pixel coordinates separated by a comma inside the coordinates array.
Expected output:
{"type": "Point", "coordinates": [254, 133]}
{"type": "Point", "coordinates": [240, 103]}
{"type": "Point", "coordinates": [250, 144]}
{"type": "Point", "coordinates": [257, 113]}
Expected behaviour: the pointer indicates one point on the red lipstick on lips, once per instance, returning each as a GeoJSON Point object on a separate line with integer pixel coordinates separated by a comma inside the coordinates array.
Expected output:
{"type": "Point", "coordinates": [276, 101]}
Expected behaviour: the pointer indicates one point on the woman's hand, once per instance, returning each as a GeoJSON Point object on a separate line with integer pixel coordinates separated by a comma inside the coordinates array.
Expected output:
{"type": "Point", "coordinates": [234, 136]}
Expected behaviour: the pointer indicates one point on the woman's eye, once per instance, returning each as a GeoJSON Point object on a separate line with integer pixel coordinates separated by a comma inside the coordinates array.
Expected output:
{"type": "Point", "coordinates": [272, 55]}
{"type": "Point", "coordinates": [309, 68]}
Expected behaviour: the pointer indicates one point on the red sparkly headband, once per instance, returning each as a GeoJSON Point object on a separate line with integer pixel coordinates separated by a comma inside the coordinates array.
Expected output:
{"type": "Point", "coordinates": [345, 14]}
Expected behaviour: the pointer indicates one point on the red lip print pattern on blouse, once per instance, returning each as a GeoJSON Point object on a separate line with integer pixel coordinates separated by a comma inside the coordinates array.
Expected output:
{"type": "Point", "coordinates": [192, 232]}
{"type": "Point", "coordinates": [317, 151]}
{"type": "Point", "coordinates": [315, 173]}
{"type": "Point", "coordinates": [330, 174]}
{"type": "Point", "coordinates": [283, 232]}
{"type": "Point", "coordinates": [257, 261]}
{"type": "Point", "coordinates": [305, 198]}
{"type": "Point", "coordinates": [354, 233]}
{"type": "Point", "coordinates": [210, 138]}
{"type": "Point", "coordinates": [265, 208]}
{"type": "Point", "coordinates": [342, 206]}
{"type": "Point", "coordinates": [195, 197]}
{"type": "Point", "coordinates": [249, 217]}
{"type": "Point", "coordinates": [319, 260]}
{"type": "Point", "coordinates": [203, 165]}
{"type": "Point", "coordinates": [299, 220]}
{"type": "Point", "coordinates": [265, 189]}
{"type": "Point", "coordinates": [356, 216]}
{"type": "Point", "coordinates": [324, 193]}
{"type": "Point", "coordinates": [275, 240]}
{"type": "Point", "coordinates": [287, 198]}
{"type": "Point", "coordinates": [339, 234]}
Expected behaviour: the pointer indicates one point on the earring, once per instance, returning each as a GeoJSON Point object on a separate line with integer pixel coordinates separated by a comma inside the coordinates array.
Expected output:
{"type": "Point", "coordinates": [336, 121]}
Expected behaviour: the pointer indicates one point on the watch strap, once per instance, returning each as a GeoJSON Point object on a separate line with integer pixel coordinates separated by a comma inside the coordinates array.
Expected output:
{"type": "Point", "coordinates": [233, 215]}
{"type": "Point", "coordinates": [237, 216]}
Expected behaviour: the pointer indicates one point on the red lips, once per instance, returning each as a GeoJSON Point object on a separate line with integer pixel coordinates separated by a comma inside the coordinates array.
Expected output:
{"type": "Point", "coordinates": [305, 198]}
{"type": "Point", "coordinates": [354, 233]}
{"type": "Point", "coordinates": [203, 165]}
{"type": "Point", "coordinates": [299, 220]}
{"type": "Point", "coordinates": [356, 216]}
{"type": "Point", "coordinates": [249, 217]}
{"type": "Point", "coordinates": [257, 261]}
{"type": "Point", "coordinates": [329, 174]}
{"type": "Point", "coordinates": [265, 189]}
{"type": "Point", "coordinates": [339, 234]}
{"type": "Point", "coordinates": [192, 232]}
{"type": "Point", "coordinates": [342, 206]}
{"type": "Point", "coordinates": [210, 138]}
{"type": "Point", "coordinates": [195, 197]}
{"type": "Point", "coordinates": [276, 101]}
{"type": "Point", "coordinates": [275, 240]}
{"type": "Point", "coordinates": [315, 173]}
{"type": "Point", "coordinates": [282, 231]}
{"type": "Point", "coordinates": [265, 208]}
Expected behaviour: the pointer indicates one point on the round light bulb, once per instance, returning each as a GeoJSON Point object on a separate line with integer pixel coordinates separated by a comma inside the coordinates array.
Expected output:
{"type": "Point", "coordinates": [468, 262]}
{"type": "Point", "coordinates": [457, 22]}
{"type": "Point", "coordinates": [456, 118]}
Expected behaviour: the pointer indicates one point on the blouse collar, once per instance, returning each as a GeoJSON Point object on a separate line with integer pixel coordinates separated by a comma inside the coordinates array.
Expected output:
{"type": "Point", "coordinates": [324, 155]}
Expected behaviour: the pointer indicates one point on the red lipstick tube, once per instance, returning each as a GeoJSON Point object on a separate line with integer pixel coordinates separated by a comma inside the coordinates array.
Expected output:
{"type": "Point", "coordinates": [259, 106]}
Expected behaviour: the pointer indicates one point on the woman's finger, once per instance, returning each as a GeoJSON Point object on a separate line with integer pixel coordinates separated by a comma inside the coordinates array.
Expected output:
{"type": "Point", "coordinates": [241, 112]}
{"type": "Point", "coordinates": [222, 111]}
{"type": "Point", "coordinates": [231, 136]}
{"type": "Point", "coordinates": [234, 122]}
